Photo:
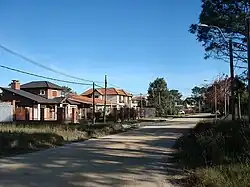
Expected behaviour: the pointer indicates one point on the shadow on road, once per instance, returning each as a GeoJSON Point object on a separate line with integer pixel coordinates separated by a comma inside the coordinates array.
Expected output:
{"type": "Point", "coordinates": [130, 158]}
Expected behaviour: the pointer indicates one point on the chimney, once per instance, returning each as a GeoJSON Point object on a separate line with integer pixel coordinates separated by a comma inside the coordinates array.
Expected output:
{"type": "Point", "coordinates": [15, 85]}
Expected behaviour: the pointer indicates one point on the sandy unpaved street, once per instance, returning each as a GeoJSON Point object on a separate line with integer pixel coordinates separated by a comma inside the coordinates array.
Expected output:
{"type": "Point", "coordinates": [135, 158]}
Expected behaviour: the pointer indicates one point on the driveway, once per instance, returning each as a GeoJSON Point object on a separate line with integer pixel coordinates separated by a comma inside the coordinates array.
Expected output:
{"type": "Point", "coordinates": [135, 158]}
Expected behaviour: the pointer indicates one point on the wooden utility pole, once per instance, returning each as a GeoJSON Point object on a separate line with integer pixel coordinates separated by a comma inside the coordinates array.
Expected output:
{"type": "Point", "coordinates": [225, 103]}
{"type": "Point", "coordinates": [141, 99]}
{"type": "Point", "coordinates": [239, 106]}
{"type": "Point", "coordinates": [159, 99]}
{"type": "Point", "coordinates": [215, 100]}
{"type": "Point", "coordinates": [141, 105]}
{"type": "Point", "coordinates": [248, 57]}
{"type": "Point", "coordinates": [105, 99]}
{"type": "Point", "coordinates": [232, 78]}
{"type": "Point", "coordinates": [93, 103]}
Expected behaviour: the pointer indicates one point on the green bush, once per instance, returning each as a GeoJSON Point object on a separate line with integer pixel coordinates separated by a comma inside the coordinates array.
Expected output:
{"type": "Point", "coordinates": [214, 143]}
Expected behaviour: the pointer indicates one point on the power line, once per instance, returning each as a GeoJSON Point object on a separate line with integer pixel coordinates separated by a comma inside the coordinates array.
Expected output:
{"type": "Point", "coordinates": [52, 70]}
{"type": "Point", "coordinates": [43, 66]}
{"type": "Point", "coordinates": [41, 76]}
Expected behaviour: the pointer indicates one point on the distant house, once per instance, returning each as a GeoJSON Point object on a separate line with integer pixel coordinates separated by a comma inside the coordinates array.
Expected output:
{"type": "Point", "coordinates": [138, 100]}
{"type": "Point", "coordinates": [117, 97]}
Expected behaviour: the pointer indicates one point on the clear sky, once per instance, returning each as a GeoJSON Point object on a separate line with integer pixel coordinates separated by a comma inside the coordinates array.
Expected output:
{"type": "Point", "coordinates": [132, 41]}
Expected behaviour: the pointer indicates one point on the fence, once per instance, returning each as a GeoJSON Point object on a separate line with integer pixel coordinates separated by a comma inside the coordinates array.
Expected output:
{"type": "Point", "coordinates": [6, 112]}
{"type": "Point", "coordinates": [125, 114]}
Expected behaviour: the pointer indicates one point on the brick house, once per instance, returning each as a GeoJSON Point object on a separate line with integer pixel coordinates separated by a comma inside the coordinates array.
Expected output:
{"type": "Point", "coordinates": [43, 100]}
{"type": "Point", "coordinates": [28, 105]}
{"type": "Point", "coordinates": [117, 97]}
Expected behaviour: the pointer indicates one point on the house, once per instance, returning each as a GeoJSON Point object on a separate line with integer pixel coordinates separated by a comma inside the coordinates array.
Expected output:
{"type": "Point", "coordinates": [43, 100]}
{"type": "Point", "coordinates": [27, 104]}
{"type": "Point", "coordinates": [138, 100]}
{"type": "Point", "coordinates": [117, 97]}
{"type": "Point", "coordinates": [43, 88]}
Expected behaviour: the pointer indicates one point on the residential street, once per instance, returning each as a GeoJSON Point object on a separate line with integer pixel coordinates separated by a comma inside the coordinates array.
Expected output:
{"type": "Point", "coordinates": [135, 158]}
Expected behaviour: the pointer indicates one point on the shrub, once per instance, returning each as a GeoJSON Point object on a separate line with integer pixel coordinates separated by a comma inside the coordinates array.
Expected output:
{"type": "Point", "coordinates": [221, 176]}
{"type": "Point", "coordinates": [214, 143]}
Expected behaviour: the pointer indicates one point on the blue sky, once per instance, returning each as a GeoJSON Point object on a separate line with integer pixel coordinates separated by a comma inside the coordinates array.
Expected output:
{"type": "Point", "coordinates": [132, 41]}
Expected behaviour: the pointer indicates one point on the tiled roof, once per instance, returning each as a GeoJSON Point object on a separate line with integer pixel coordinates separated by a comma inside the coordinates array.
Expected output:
{"type": "Point", "coordinates": [139, 97]}
{"type": "Point", "coordinates": [87, 100]}
{"type": "Point", "coordinates": [59, 99]}
{"type": "Point", "coordinates": [110, 91]}
{"type": "Point", "coordinates": [41, 84]}
{"type": "Point", "coordinates": [31, 96]}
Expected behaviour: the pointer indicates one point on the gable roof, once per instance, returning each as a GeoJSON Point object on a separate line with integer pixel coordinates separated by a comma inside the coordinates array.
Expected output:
{"type": "Point", "coordinates": [110, 91]}
{"type": "Point", "coordinates": [37, 98]}
{"type": "Point", "coordinates": [87, 100]}
{"type": "Point", "coordinates": [41, 84]}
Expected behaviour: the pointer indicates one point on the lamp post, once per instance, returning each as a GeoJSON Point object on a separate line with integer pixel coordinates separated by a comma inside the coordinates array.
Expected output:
{"type": "Point", "coordinates": [230, 46]}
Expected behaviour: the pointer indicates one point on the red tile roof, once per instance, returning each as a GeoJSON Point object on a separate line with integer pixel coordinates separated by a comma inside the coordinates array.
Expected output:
{"type": "Point", "coordinates": [87, 100]}
{"type": "Point", "coordinates": [110, 91]}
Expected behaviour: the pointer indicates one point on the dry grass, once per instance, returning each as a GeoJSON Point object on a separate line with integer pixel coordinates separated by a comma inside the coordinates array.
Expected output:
{"type": "Point", "coordinates": [67, 133]}
{"type": "Point", "coordinates": [218, 153]}
{"type": "Point", "coordinates": [236, 175]}
{"type": "Point", "coordinates": [16, 139]}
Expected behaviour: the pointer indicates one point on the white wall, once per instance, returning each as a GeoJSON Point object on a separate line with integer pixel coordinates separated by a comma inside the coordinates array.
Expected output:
{"type": "Point", "coordinates": [113, 98]}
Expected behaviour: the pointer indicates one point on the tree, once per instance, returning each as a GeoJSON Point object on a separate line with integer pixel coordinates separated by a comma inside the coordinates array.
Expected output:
{"type": "Point", "coordinates": [66, 90]}
{"type": "Point", "coordinates": [230, 16]}
{"type": "Point", "coordinates": [176, 95]}
{"type": "Point", "coordinates": [174, 98]}
{"type": "Point", "coordinates": [158, 96]}
{"type": "Point", "coordinates": [198, 97]}
{"type": "Point", "coordinates": [222, 86]}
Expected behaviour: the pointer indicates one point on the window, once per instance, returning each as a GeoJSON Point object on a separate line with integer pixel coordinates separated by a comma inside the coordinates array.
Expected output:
{"type": "Point", "coordinates": [42, 92]}
{"type": "Point", "coordinates": [54, 93]}
{"type": "Point", "coordinates": [121, 99]}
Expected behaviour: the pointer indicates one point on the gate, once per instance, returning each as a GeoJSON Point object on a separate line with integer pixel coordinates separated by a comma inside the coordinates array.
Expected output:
{"type": "Point", "coordinates": [6, 112]}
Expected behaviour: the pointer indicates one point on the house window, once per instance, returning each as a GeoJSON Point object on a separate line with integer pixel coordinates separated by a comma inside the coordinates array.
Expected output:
{"type": "Point", "coordinates": [121, 99]}
{"type": "Point", "coordinates": [42, 92]}
{"type": "Point", "coordinates": [54, 93]}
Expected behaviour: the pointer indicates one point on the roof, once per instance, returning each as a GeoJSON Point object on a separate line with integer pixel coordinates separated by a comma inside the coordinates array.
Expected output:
{"type": "Point", "coordinates": [31, 96]}
{"type": "Point", "coordinates": [87, 100]}
{"type": "Point", "coordinates": [139, 97]}
{"type": "Point", "coordinates": [110, 91]}
{"type": "Point", "coordinates": [59, 99]}
{"type": "Point", "coordinates": [41, 84]}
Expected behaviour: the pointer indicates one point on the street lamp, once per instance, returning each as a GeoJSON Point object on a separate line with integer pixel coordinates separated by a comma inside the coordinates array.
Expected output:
{"type": "Point", "coordinates": [230, 45]}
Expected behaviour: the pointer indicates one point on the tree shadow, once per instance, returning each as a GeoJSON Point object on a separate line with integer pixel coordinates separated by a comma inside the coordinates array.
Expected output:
{"type": "Point", "coordinates": [13, 143]}
{"type": "Point", "coordinates": [136, 158]}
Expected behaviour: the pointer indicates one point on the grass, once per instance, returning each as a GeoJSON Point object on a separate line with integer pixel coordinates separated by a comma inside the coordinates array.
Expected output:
{"type": "Point", "coordinates": [235, 175]}
{"type": "Point", "coordinates": [218, 153]}
{"type": "Point", "coordinates": [22, 138]}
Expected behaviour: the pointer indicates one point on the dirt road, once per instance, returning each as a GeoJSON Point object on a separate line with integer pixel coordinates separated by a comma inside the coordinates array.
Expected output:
{"type": "Point", "coordinates": [135, 158]}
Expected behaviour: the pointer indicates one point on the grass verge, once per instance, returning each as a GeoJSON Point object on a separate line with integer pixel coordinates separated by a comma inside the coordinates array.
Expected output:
{"type": "Point", "coordinates": [218, 153]}
{"type": "Point", "coordinates": [17, 139]}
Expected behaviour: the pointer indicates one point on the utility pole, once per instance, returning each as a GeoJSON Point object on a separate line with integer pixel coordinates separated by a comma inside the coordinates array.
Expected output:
{"type": "Point", "coordinates": [141, 105]}
{"type": "Point", "coordinates": [105, 99]}
{"type": "Point", "coordinates": [215, 101]}
{"type": "Point", "coordinates": [93, 103]}
{"type": "Point", "coordinates": [159, 98]}
{"type": "Point", "coordinates": [239, 106]}
{"type": "Point", "coordinates": [225, 103]}
{"type": "Point", "coordinates": [248, 54]}
{"type": "Point", "coordinates": [232, 78]}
